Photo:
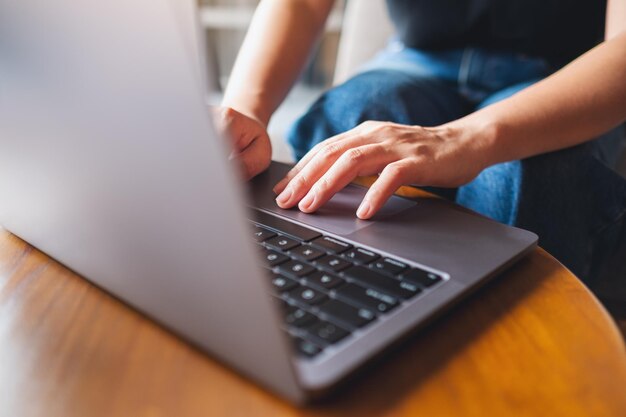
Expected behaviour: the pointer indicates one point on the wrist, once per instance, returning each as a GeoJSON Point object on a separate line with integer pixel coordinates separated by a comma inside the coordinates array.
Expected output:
{"type": "Point", "coordinates": [479, 136]}
{"type": "Point", "coordinates": [250, 109]}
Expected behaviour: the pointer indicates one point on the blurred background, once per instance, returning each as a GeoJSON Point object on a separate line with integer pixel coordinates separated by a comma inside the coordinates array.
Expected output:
{"type": "Point", "coordinates": [226, 22]}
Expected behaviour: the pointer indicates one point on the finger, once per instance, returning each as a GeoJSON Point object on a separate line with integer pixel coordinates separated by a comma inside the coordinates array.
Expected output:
{"type": "Point", "coordinates": [364, 160]}
{"type": "Point", "coordinates": [239, 129]}
{"type": "Point", "coordinates": [243, 133]}
{"type": "Point", "coordinates": [282, 184]}
{"type": "Point", "coordinates": [393, 177]}
{"type": "Point", "coordinates": [255, 158]}
{"type": "Point", "coordinates": [367, 128]}
{"type": "Point", "coordinates": [302, 182]}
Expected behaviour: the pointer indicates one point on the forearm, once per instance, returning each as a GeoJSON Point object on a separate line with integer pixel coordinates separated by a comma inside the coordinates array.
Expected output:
{"type": "Point", "coordinates": [274, 52]}
{"type": "Point", "coordinates": [574, 105]}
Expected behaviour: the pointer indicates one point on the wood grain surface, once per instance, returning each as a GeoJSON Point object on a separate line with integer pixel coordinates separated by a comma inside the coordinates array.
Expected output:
{"type": "Point", "coordinates": [534, 342]}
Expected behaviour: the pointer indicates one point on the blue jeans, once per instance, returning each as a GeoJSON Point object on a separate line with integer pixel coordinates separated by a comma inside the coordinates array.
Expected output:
{"type": "Point", "coordinates": [572, 198]}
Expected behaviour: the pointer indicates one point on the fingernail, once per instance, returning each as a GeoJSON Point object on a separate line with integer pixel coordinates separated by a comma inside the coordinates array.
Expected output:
{"type": "Point", "coordinates": [306, 202]}
{"type": "Point", "coordinates": [364, 210]}
{"type": "Point", "coordinates": [284, 197]}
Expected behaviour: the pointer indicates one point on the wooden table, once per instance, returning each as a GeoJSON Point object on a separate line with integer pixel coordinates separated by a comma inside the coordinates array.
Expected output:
{"type": "Point", "coordinates": [534, 342]}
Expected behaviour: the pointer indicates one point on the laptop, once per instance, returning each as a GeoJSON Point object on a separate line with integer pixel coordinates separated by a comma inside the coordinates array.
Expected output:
{"type": "Point", "coordinates": [109, 163]}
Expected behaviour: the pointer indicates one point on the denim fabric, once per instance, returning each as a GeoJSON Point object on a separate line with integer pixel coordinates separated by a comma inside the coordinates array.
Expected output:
{"type": "Point", "coordinates": [476, 73]}
{"type": "Point", "coordinates": [571, 198]}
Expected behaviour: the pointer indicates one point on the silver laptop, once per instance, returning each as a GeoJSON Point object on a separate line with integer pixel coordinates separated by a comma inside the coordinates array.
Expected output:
{"type": "Point", "coordinates": [109, 163]}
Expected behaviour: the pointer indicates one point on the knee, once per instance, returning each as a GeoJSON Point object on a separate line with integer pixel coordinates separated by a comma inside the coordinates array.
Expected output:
{"type": "Point", "coordinates": [374, 95]}
{"type": "Point", "coordinates": [340, 109]}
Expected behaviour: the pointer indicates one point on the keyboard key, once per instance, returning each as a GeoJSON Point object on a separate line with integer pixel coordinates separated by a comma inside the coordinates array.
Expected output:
{"type": "Point", "coordinates": [283, 284]}
{"type": "Point", "coordinates": [360, 255]}
{"type": "Point", "coordinates": [331, 244]}
{"type": "Point", "coordinates": [307, 252]}
{"type": "Point", "coordinates": [261, 234]}
{"type": "Point", "coordinates": [333, 263]}
{"type": "Point", "coordinates": [296, 268]}
{"type": "Point", "coordinates": [367, 297]}
{"type": "Point", "coordinates": [274, 258]}
{"type": "Point", "coordinates": [307, 295]}
{"type": "Point", "coordinates": [347, 315]}
{"type": "Point", "coordinates": [422, 278]}
{"type": "Point", "coordinates": [297, 317]}
{"type": "Point", "coordinates": [391, 286]}
{"type": "Point", "coordinates": [325, 280]}
{"type": "Point", "coordinates": [283, 243]}
{"type": "Point", "coordinates": [389, 266]}
{"type": "Point", "coordinates": [285, 227]}
{"type": "Point", "coordinates": [326, 333]}
{"type": "Point", "coordinates": [306, 348]}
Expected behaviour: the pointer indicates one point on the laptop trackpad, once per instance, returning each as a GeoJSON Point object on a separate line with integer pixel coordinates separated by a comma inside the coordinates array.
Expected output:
{"type": "Point", "coordinates": [339, 214]}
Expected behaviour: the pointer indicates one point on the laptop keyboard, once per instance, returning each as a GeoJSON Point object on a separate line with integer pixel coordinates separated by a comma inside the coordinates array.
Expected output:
{"type": "Point", "coordinates": [328, 288]}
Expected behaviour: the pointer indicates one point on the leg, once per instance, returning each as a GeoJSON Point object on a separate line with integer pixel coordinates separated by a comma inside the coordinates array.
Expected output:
{"type": "Point", "coordinates": [384, 95]}
{"type": "Point", "coordinates": [570, 198]}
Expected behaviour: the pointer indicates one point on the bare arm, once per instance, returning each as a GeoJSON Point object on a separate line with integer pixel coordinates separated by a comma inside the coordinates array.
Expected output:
{"type": "Point", "coordinates": [574, 105]}
{"type": "Point", "coordinates": [615, 18]}
{"type": "Point", "coordinates": [274, 52]}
